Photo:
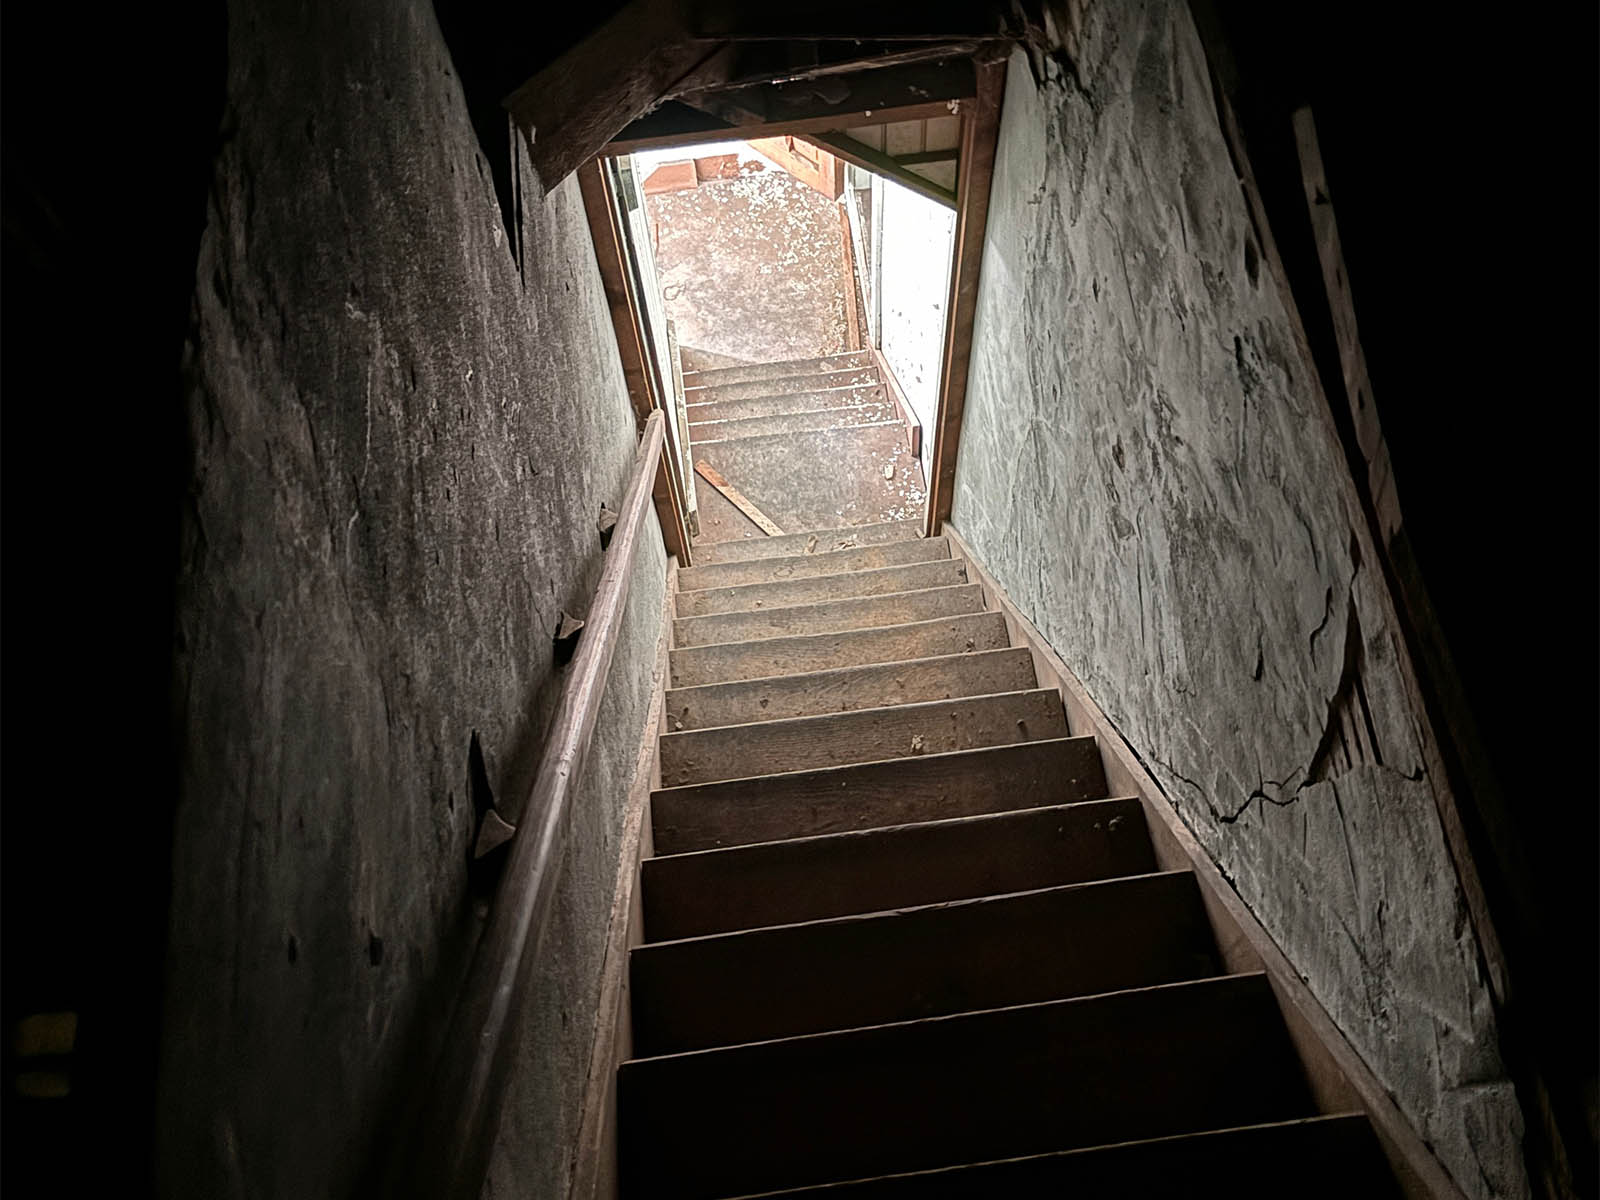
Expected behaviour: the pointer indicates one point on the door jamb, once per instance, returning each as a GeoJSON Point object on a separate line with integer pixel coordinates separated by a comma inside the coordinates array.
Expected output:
{"type": "Point", "coordinates": [980, 123]}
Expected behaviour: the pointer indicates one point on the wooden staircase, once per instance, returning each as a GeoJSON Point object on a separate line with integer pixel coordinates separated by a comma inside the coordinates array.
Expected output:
{"type": "Point", "coordinates": [898, 939]}
{"type": "Point", "coordinates": [812, 442]}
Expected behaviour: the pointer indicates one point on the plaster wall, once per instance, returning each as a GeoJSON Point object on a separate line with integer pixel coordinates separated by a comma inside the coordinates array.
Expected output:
{"type": "Point", "coordinates": [399, 444]}
{"type": "Point", "coordinates": [1147, 468]}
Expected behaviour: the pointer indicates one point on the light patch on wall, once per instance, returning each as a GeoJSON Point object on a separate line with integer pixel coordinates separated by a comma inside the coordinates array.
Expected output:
{"type": "Point", "coordinates": [913, 292]}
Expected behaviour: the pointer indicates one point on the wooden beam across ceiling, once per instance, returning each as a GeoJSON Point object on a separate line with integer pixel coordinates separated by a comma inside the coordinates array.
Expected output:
{"type": "Point", "coordinates": [850, 20]}
{"type": "Point", "coordinates": [569, 110]}
{"type": "Point", "coordinates": [591, 97]}
{"type": "Point", "coordinates": [685, 126]}
{"type": "Point", "coordinates": [863, 155]}
{"type": "Point", "coordinates": [757, 65]}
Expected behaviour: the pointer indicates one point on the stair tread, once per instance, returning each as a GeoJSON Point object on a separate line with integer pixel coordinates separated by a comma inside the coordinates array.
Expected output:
{"type": "Point", "coordinates": [828, 616]}
{"type": "Point", "coordinates": [805, 420]}
{"type": "Point", "coordinates": [817, 478]}
{"type": "Point", "coordinates": [727, 662]}
{"type": "Point", "coordinates": [940, 1091]}
{"type": "Point", "coordinates": [744, 438]}
{"type": "Point", "coordinates": [849, 689]}
{"type": "Point", "coordinates": [786, 593]}
{"type": "Point", "coordinates": [805, 381]}
{"type": "Point", "coordinates": [797, 566]}
{"type": "Point", "coordinates": [929, 960]}
{"type": "Point", "coordinates": [871, 870]}
{"type": "Point", "coordinates": [846, 537]}
{"type": "Point", "coordinates": [1328, 1157]}
{"type": "Point", "coordinates": [779, 403]}
{"type": "Point", "coordinates": [782, 367]}
{"type": "Point", "coordinates": [899, 791]}
{"type": "Point", "coordinates": [863, 735]}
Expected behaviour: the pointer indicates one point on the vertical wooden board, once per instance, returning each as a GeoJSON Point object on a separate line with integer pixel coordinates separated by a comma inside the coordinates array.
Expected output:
{"type": "Point", "coordinates": [980, 128]}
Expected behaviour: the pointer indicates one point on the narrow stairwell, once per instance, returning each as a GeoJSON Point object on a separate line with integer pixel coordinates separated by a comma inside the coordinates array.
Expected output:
{"type": "Point", "coordinates": [898, 939]}
{"type": "Point", "coordinates": [814, 442]}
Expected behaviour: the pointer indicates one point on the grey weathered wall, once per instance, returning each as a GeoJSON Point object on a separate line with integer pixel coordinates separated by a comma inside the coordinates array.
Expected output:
{"type": "Point", "coordinates": [399, 449]}
{"type": "Point", "coordinates": [1145, 469]}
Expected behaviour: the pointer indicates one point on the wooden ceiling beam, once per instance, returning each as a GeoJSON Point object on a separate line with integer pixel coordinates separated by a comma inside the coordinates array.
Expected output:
{"type": "Point", "coordinates": [930, 52]}
{"type": "Point", "coordinates": [650, 133]}
{"type": "Point", "coordinates": [863, 155]}
{"type": "Point", "coordinates": [851, 20]}
{"type": "Point", "coordinates": [570, 109]}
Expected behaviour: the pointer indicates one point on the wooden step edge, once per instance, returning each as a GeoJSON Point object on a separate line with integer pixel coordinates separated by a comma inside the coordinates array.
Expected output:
{"type": "Point", "coordinates": [869, 968]}
{"type": "Point", "coordinates": [914, 1183]}
{"type": "Point", "coordinates": [893, 580]}
{"type": "Point", "coordinates": [779, 777]}
{"type": "Point", "coordinates": [691, 405]}
{"type": "Point", "coordinates": [693, 694]}
{"type": "Point", "coordinates": [782, 380]}
{"type": "Point", "coordinates": [881, 915]}
{"type": "Point", "coordinates": [683, 626]}
{"type": "Point", "coordinates": [873, 530]}
{"type": "Point", "coordinates": [831, 411]}
{"type": "Point", "coordinates": [779, 562]}
{"type": "Point", "coordinates": [986, 623]}
{"type": "Point", "coordinates": [816, 362]}
{"type": "Point", "coordinates": [756, 437]}
{"type": "Point", "coordinates": [818, 725]}
{"type": "Point", "coordinates": [809, 1044]}
{"type": "Point", "coordinates": [868, 575]}
{"type": "Point", "coordinates": [696, 893]}
{"type": "Point", "coordinates": [733, 812]}
{"type": "Point", "coordinates": [1111, 802]}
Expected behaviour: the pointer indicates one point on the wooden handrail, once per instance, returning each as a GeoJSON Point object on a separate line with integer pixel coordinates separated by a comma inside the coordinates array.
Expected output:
{"type": "Point", "coordinates": [461, 1111]}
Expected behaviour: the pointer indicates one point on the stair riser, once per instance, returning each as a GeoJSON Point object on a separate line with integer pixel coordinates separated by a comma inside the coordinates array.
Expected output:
{"type": "Point", "coordinates": [810, 879]}
{"type": "Point", "coordinates": [1328, 1158]}
{"type": "Point", "coordinates": [778, 370]}
{"type": "Point", "coordinates": [934, 1093]}
{"type": "Point", "coordinates": [809, 421]}
{"type": "Point", "coordinates": [812, 381]}
{"type": "Point", "coordinates": [805, 566]}
{"type": "Point", "coordinates": [805, 743]}
{"type": "Point", "coordinates": [790, 592]}
{"type": "Point", "coordinates": [726, 663]}
{"type": "Point", "coordinates": [789, 402]}
{"type": "Point", "coordinates": [874, 795]}
{"type": "Point", "coordinates": [849, 689]}
{"type": "Point", "coordinates": [829, 616]}
{"type": "Point", "coordinates": [820, 542]}
{"type": "Point", "coordinates": [927, 962]}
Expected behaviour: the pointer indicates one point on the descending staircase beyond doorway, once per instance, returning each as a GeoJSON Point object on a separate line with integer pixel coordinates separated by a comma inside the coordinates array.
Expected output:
{"type": "Point", "coordinates": [898, 939]}
{"type": "Point", "coordinates": [814, 443]}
